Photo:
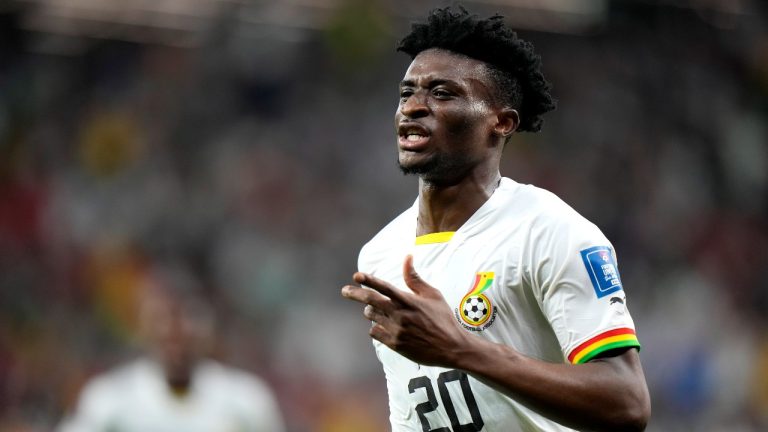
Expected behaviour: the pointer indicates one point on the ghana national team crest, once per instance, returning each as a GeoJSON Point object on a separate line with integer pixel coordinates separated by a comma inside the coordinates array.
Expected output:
{"type": "Point", "coordinates": [476, 312]}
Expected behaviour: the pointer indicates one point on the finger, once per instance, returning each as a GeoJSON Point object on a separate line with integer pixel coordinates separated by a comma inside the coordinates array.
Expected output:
{"type": "Point", "coordinates": [377, 316]}
{"type": "Point", "coordinates": [367, 296]}
{"type": "Point", "coordinates": [381, 334]}
{"type": "Point", "coordinates": [381, 286]}
{"type": "Point", "coordinates": [414, 281]}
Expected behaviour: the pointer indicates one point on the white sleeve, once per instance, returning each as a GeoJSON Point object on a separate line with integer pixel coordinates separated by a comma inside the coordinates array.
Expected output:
{"type": "Point", "coordinates": [577, 283]}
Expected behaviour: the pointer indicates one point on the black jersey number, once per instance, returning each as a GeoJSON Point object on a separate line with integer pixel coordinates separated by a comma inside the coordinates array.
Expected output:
{"type": "Point", "coordinates": [431, 404]}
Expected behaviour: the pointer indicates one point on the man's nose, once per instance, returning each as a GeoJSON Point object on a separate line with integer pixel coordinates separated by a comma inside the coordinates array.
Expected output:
{"type": "Point", "coordinates": [415, 106]}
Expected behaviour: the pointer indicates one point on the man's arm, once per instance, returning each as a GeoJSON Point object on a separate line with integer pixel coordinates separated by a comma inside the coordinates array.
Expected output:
{"type": "Point", "coordinates": [605, 394]}
{"type": "Point", "coordinates": [608, 394]}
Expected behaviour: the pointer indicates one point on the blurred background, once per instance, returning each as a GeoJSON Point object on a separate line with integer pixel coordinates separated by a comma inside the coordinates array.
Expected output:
{"type": "Point", "coordinates": [254, 141]}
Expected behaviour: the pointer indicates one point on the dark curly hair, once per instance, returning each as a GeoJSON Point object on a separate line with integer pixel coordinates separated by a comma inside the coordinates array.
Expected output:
{"type": "Point", "coordinates": [513, 65]}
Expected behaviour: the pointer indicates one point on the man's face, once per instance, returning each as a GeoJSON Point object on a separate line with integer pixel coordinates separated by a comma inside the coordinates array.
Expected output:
{"type": "Point", "coordinates": [446, 116]}
{"type": "Point", "coordinates": [178, 331]}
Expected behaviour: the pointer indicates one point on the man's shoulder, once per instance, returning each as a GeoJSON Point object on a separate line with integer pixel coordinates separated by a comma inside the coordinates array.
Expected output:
{"type": "Point", "coordinates": [245, 392]}
{"type": "Point", "coordinates": [114, 384]}
{"type": "Point", "coordinates": [118, 375]}
{"type": "Point", "coordinates": [233, 379]}
{"type": "Point", "coordinates": [551, 225]}
{"type": "Point", "coordinates": [544, 207]}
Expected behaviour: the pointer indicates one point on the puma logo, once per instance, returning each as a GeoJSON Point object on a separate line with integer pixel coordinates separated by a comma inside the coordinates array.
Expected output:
{"type": "Point", "coordinates": [616, 300]}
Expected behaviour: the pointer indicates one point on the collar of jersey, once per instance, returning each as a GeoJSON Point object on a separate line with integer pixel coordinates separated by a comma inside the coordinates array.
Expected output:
{"type": "Point", "coordinates": [474, 223]}
{"type": "Point", "coordinates": [432, 238]}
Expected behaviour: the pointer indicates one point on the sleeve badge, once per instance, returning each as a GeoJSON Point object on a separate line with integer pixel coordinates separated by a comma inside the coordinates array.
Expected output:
{"type": "Point", "coordinates": [602, 270]}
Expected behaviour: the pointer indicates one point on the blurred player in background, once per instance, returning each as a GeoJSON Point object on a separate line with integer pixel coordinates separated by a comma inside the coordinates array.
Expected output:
{"type": "Point", "coordinates": [175, 387]}
{"type": "Point", "coordinates": [516, 319]}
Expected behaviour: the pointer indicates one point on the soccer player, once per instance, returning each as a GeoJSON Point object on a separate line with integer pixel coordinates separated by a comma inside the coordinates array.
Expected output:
{"type": "Point", "coordinates": [175, 388]}
{"type": "Point", "coordinates": [494, 305]}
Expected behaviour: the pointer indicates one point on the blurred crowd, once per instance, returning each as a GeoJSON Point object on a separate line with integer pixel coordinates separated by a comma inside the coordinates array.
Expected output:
{"type": "Point", "coordinates": [263, 156]}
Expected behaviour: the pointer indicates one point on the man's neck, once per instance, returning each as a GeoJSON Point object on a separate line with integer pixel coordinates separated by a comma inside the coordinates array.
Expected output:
{"type": "Point", "coordinates": [446, 208]}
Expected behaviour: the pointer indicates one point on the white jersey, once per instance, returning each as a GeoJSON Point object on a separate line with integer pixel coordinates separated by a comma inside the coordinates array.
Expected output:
{"type": "Point", "coordinates": [525, 271]}
{"type": "Point", "coordinates": [136, 398]}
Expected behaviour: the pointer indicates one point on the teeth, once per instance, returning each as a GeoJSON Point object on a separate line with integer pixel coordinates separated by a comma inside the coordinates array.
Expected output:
{"type": "Point", "coordinates": [414, 137]}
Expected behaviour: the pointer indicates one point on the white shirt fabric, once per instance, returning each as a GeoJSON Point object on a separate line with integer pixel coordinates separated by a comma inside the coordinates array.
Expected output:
{"type": "Point", "coordinates": [136, 398]}
{"type": "Point", "coordinates": [552, 292]}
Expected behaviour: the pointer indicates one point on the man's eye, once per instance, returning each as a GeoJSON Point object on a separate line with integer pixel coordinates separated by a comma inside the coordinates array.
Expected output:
{"type": "Point", "coordinates": [405, 93]}
{"type": "Point", "coordinates": [442, 93]}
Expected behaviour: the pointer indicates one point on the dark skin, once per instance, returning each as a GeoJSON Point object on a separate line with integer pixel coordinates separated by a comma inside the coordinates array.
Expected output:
{"type": "Point", "coordinates": [177, 333]}
{"type": "Point", "coordinates": [448, 110]}
{"type": "Point", "coordinates": [449, 100]}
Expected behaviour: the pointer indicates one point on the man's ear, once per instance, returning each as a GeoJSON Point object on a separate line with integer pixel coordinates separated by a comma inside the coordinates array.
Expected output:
{"type": "Point", "coordinates": [507, 122]}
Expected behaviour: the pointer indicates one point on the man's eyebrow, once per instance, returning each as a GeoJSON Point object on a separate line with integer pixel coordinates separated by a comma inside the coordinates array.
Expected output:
{"type": "Point", "coordinates": [432, 83]}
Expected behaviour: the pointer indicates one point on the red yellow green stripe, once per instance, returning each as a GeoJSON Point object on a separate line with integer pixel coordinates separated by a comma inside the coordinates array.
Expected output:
{"type": "Point", "coordinates": [438, 237]}
{"type": "Point", "coordinates": [483, 281]}
{"type": "Point", "coordinates": [612, 339]}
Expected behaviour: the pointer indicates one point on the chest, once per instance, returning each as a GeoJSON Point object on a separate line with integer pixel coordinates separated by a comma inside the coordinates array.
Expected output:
{"type": "Point", "coordinates": [162, 412]}
{"type": "Point", "coordinates": [479, 277]}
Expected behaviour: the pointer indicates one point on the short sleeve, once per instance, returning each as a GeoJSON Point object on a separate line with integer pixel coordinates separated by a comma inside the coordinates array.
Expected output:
{"type": "Point", "coordinates": [576, 279]}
